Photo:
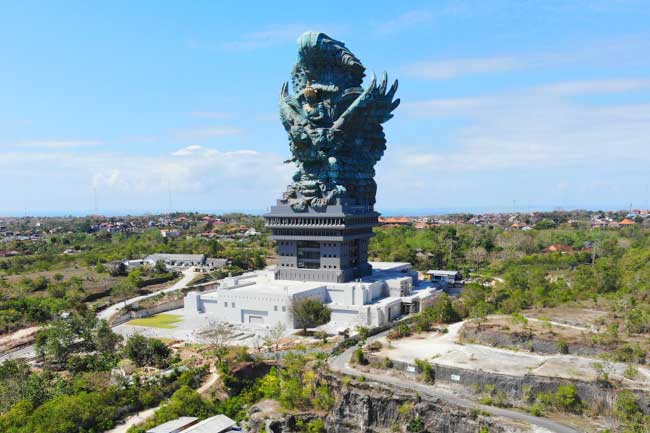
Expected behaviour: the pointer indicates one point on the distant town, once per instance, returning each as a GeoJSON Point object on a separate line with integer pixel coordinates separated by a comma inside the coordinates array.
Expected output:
{"type": "Point", "coordinates": [238, 226]}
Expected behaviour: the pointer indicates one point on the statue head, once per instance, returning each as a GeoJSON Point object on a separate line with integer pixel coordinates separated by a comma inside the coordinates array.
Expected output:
{"type": "Point", "coordinates": [325, 61]}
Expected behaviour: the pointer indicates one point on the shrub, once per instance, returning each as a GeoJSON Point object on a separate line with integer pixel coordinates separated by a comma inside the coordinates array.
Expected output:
{"type": "Point", "coordinates": [374, 346]}
{"type": "Point", "coordinates": [416, 425]}
{"type": "Point", "coordinates": [316, 426]}
{"type": "Point", "coordinates": [426, 370]}
{"type": "Point", "coordinates": [566, 398]}
{"type": "Point", "coordinates": [537, 409]}
{"type": "Point", "coordinates": [359, 358]}
{"type": "Point", "coordinates": [400, 331]}
{"type": "Point", "coordinates": [627, 406]}
{"type": "Point", "coordinates": [363, 332]}
{"type": "Point", "coordinates": [631, 372]}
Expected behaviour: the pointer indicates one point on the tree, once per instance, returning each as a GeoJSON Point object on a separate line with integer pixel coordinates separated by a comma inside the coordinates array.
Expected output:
{"type": "Point", "coordinates": [124, 289]}
{"type": "Point", "coordinates": [479, 313]}
{"type": "Point", "coordinates": [147, 351]}
{"type": "Point", "coordinates": [275, 334]}
{"type": "Point", "coordinates": [184, 402]}
{"type": "Point", "coordinates": [442, 310]}
{"type": "Point", "coordinates": [56, 342]}
{"type": "Point", "coordinates": [160, 267]}
{"type": "Point", "coordinates": [218, 335]}
{"type": "Point", "coordinates": [309, 312]}
{"type": "Point", "coordinates": [105, 339]}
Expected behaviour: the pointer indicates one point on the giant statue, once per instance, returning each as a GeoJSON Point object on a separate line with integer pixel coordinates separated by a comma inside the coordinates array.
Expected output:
{"type": "Point", "coordinates": [334, 124]}
{"type": "Point", "coordinates": [323, 223]}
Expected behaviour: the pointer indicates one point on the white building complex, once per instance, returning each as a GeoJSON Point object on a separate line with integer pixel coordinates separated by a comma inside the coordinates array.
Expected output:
{"type": "Point", "coordinates": [391, 290]}
{"type": "Point", "coordinates": [177, 261]}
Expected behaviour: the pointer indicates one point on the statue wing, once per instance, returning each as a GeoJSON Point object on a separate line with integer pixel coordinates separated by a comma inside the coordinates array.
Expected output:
{"type": "Point", "coordinates": [374, 105]}
{"type": "Point", "coordinates": [291, 113]}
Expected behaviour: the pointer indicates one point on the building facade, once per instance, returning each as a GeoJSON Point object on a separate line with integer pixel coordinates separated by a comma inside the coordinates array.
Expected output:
{"type": "Point", "coordinates": [329, 245]}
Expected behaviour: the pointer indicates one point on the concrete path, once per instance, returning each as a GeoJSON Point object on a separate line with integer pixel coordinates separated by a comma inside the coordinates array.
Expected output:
{"type": "Point", "coordinates": [188, 275]}
{"type": "Point", "coordinates": [342, 364]}
{"type": "Point", "coordinates": [144, 415]}
{"type": "Point", "coordinates": [29, 352]}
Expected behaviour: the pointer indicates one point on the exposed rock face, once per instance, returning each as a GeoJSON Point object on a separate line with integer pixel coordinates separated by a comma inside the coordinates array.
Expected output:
{"type": "Point", "coordinates": [531, 343]}
{"type": "Point", "coordinates": [372, 408]}
{"type": "Point", "coordinates": [597, 395]}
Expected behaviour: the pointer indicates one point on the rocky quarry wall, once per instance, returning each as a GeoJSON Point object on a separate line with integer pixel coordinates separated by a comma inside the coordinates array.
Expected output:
{"type": "Point", "coordinates": [532, 343]}
{"type": "Point", "coordinates": [600, 395]}
{"type": "Point", "coordinates": [367, 407]}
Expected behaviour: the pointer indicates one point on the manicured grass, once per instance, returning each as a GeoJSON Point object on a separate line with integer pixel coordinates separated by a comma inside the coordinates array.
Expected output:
{"type": "Point", "coordinates": [168, 321]}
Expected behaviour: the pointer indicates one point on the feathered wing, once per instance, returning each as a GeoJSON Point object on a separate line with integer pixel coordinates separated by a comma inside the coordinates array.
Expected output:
{"type": "Point", "coordinates": [374, 105]}
{"type": "Point", "coordinates": [291, 114]}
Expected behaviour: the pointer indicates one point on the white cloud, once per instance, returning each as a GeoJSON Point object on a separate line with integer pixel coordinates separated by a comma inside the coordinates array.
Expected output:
{"type": "Point", "coordinates": [52, 144]}
{"type": "Point", "coordinates": [540, 127]}
{"type": "Point", "coordinates": [596, 86]}
{"type": "Point", "coordinates": [446, 69]}
{"type": "Point", "coordinates": [204, 133]}
{"type": "Point", "coordinates": [405, 20]}
{"type": "Point", "coordinates": [243, 179]}
{"type": "Point", "coordinates": [622, 52]}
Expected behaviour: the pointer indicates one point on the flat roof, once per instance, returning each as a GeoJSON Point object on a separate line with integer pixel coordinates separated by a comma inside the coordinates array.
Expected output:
{"type": "Point", "coordinates": [387, 266]}
{"type": "Point", "coordinates": [262, 282]}
{"type": "Point", "coordinates": [165, 256]}
{"type": "Point", "coordinates": [173, 425]}
{"type": "Point", "coordinates": [442, 272]}
{"type": "Point", "coordinates": [216, 424]}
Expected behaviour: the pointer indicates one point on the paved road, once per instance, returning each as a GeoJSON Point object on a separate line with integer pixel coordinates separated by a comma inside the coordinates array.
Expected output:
{"type": "Point", "coordinates": [341, 364]}
{"type": "Point", "coordinates": [29, 352]}
{"type": "Point", "coordinates": [188, 275]}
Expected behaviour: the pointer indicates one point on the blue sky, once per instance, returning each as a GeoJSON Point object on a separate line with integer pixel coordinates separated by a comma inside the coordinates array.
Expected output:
{"type": "Point", "coordinates": [545, 104]}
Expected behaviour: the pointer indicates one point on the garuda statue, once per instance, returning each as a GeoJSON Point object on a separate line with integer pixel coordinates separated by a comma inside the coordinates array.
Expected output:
{"type": "Point", "coordinates": [334, 125]}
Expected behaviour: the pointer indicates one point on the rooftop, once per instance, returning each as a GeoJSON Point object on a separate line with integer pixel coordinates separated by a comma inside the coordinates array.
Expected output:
{"type": "Point", "coordinates": [174, 425]}
{"type": "Point", "coordinates": [216, 424]}
{"type": "Point", "coordinates": [181, 257]}
{"type": "Point", "coordinates": [442, 272]}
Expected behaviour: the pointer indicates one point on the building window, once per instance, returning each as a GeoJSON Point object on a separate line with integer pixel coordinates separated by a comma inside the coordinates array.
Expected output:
{"type": "Point", "coordinates": [284, 308]}
{"type": "Point", "coordinates": [233, 305]}
{"type": "Point", "coordinates": [275, 308]}
{"type": "Point", "coordinates": [225, 304]}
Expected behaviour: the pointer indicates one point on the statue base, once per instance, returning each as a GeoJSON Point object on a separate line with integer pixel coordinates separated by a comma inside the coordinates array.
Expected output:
{"type": "Point", "coordinates": [327, 244]}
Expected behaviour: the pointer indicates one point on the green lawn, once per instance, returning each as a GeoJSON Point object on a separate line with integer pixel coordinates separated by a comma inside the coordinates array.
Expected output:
{"type": "Point", "coordinates": [168, 321]}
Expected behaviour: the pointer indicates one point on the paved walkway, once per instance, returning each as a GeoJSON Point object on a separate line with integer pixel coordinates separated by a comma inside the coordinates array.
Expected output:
{"type": "Point", "coordinates": [342, 364]}
{"type": "Point", "coordinates": [29, 352]}
{"type": "Point", "coordinates": [144, 415]}
{"type": "Point", "coordinates": [188, 276]}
